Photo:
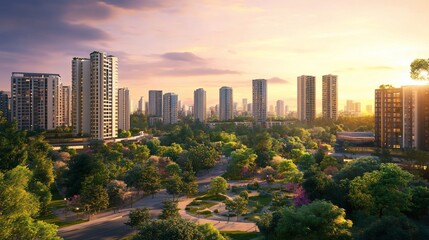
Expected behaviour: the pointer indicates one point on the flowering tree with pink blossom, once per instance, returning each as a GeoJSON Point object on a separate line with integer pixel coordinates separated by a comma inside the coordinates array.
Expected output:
{"type": "Point", "coordinates": [301, 198]}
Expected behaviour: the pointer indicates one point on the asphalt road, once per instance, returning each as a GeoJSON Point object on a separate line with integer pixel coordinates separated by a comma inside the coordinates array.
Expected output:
{"type": "Point", "coordinates": [112, 226]}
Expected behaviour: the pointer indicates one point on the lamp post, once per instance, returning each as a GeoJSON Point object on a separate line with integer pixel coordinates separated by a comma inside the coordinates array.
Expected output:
{"type": "Point", "coordinates": [65, 207]}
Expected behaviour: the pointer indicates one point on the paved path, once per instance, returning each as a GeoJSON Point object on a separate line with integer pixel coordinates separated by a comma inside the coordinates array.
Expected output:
{"type": "Point", "coordinates": [112, 226]}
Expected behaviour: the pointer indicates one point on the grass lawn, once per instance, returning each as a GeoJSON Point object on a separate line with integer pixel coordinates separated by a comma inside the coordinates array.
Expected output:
{"type": "Point", "coordinates": [202, 204]}
{"type": "Point", "coordinates": [53, 219]}
{"type": "Point", "coordinates": [218, 198]}
{"type": "Point", "coordinates": [263, 200]}
{"type": "Point", "coordinates": [236, 235]}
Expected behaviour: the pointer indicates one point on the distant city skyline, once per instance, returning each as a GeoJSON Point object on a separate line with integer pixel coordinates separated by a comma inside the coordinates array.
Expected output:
{"type": "Point", "coordinates": [179, 46]}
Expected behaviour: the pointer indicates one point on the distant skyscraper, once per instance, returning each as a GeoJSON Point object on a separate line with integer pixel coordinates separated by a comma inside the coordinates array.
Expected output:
{"type": "Point", "coordinates": [306, 98]}
{"type": "Point", "coordinates": [330, 97]}
{"type": "Point", "coordinates": [81, 96]}
{"type": "Point", "coordinates": [259, 100]}
{"type": "Point", "coordinates": [170, 108]}
{"type": "Point", "coordinates": [146, 108]}
{"type": "Point", "coordinates": [350, 107]}
{"type": "Point", "coordinates": [357, 108]}
{"type": "Point", "coordinates": [280, 109]}
{"type": "Point", "coordinates": [124, 109]}
{"type": "Point", "coordinates": [36, 100]}
{"type": "Point", "coordinates": [4, 104]}
{"type": "Point", "coordinates": [225, 103]}
{"type": "Point", "coordinates": [104, 95]}
{"type": "Point", "coordinates": [200, 105]}
{"type": "Point", "coordinates": [141, 105]}
{"type": "Point", "coordinates": [249, 108]}
{"type": "Point", "coordinates": [67, 106]}
{"type": "Point", "coordinates": [369, 109]}
{"type": "Point", "coordinates": [155, 103]}
{"type": "Point", "coordinates": [244, 106]}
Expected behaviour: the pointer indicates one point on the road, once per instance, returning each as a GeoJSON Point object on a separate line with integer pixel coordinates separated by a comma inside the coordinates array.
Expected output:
{"type": "Point", "coordinates": [112, 226]}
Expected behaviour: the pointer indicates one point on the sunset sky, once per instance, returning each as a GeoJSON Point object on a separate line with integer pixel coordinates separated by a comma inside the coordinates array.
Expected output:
{"type": "Point", "coordinates": [180, 45]}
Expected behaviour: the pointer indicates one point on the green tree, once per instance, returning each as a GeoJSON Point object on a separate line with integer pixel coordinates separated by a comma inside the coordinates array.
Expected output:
{"type": "Point", "coordinates": [242, 161]}
{"type": "Point", "coordinates": [381, 191]}
{"type": "Point", "coordinates": [267, 224]}
{"type": "Point", "coordinates": [190, 186]}
{"type": "Point", "coordinates": [13, 145]}
{"type": "Point", "coordinates": [174, 185]}
{"type": "Point", "coordinates": [262, 148]}
{"type": "Point", "coordinates": [210, 232]}
{"type": "Point", "coordinates": [202, 157]}
{"type": "Point", "coordinates": [144, 177]}
{"type": "Point", "coordinates": [116, 191]}
{"type": "Point", "coordinates": [316, 183]}
{"type": "Point", "coordinates": [357, 168]}
{"type": "Point", "coordinates": [237, 205]}
{"type": "Point", "coordinates": [153, 146]}
{"type": "Point", "coordinates": [172, 152]}
{"type": "Point", "coordinates": [93, 195]}
{"type": "Point", "coordinates": [390, 228]}
{"type": "Point", "coordinates": [218, 185]}
{"type": "Point", "coordinates": [18, 206]}
{"type": "Point", "coordinates": [419, 69]}
{"type": "Point", "coordinates": [289, 171]}
{"type": "Point", "coordinates": [141, 154]}
{"type": "Point", "coordinates": [137, 217]}
{"type": "Point", "coordinates": [151, 180]}
{"type": "Point", "coordinates": [80, 167]}
{"type": "Point", "coordinates": [328, 161]}
{"type": "Point", "coordinates": [319, 220]}
{"type": "Point", "coordinates": [169, 210]}
{"type": "Point", "coordinates": [173, 169]}
{"type": "Point", "coordinates": [244, 194]}
{"type": "Point", "coordinates": [419, 201]}
{"type": "Point", "coordinates": [170, 229]}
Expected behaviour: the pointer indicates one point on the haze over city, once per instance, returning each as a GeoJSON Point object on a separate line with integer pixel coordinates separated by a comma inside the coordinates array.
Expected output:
{"type": "Point", "coordinates": [178, 46]}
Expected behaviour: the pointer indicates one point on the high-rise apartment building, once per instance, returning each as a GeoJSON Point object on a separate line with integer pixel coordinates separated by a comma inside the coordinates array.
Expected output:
{"type": "Point", "coordinates": [124, 109]}
{"type": "Point", "coordinates": [4, 104]}
{"type": "Point", "coordinates": [259, 100]}
{"type": "Point", "coordinates": [280, 109]}
{"type": "Point", "coordinates": [81, 96]}
{"type": "Point", "coordinates": [36, 100]}
{"type": "Point", "coordinates": [306, 98]}
{"type": "Point", "coordinates": [170, 108]}
{"type": "Point", "coordinates": [104, 95]}
{"type": "Point", "coordinates": [416, 117]}
{"type": "Point", "coordinates": [200, 105]}
{"type": "Point", "coordinates": [330, 97]}
{"type": "Point", "coordinates": [388, 117]}
{"type": "Point", "coordinates": [66, 106]}
{"type": "Point", "coordinates": [95, 95]}
{"type": "Point", "coordinates": [225, 103]}
{"type": "Point", "coordinates": [155, 103]}
{"type": "Point", "coordinates": [141, 106]}
{"type": "Point", "coordinates": [244, 106]}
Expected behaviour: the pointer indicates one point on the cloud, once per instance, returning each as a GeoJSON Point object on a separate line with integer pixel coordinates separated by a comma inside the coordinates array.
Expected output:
{"type": "Point", "coordinates": [181, 56]}
{"type": "Point", "coordinates": [277, 80]}
{"type": "Point", "coordinates": [141, 4]}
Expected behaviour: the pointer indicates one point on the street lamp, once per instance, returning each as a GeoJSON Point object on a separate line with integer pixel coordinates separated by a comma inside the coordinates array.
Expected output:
{"type": "Point", "coordinates": [65, 207]}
